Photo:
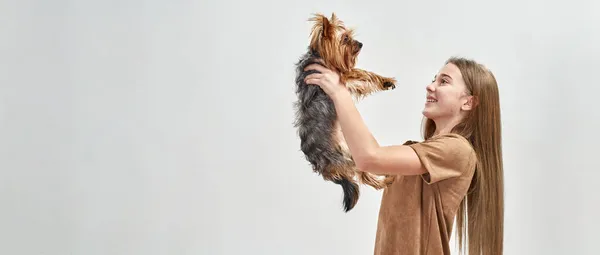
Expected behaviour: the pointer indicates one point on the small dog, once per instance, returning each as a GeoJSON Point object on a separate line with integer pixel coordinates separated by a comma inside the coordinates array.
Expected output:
{"type": "Point", "coordinates": [321, 138]}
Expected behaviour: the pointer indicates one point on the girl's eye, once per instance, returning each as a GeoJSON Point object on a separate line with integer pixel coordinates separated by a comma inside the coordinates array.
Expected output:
{"type": "Point", "coordinates": [445, 81]}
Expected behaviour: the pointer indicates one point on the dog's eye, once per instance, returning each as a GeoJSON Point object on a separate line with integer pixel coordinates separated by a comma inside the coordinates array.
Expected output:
{"type": "Point", "coordinates": [346, 39]}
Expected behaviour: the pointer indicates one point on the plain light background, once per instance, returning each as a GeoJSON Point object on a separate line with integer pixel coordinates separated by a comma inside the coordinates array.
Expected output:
{"type": "Point", "coordinates": [165, 127]}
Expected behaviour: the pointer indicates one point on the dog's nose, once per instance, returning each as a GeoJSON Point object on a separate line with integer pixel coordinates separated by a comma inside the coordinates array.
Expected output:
{"type": "Point", "coordinates": [359, 45]}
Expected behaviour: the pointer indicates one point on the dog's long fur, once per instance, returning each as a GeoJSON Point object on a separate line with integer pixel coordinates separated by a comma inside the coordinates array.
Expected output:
{"type": "Point", "coordinates": [321, 139]}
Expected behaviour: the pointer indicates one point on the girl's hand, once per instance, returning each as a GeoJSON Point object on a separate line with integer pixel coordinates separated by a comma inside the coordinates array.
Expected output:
{"type": "Point", "coordinates": [327, 79]}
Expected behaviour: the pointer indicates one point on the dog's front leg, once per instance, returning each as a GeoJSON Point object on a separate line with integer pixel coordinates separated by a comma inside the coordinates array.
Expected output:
{"type": "Point", "coordinates": [362, 83]}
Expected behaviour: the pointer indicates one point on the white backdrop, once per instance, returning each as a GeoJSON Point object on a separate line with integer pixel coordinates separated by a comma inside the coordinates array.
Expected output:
{"type": "Point", "coordinates": [165, 127]}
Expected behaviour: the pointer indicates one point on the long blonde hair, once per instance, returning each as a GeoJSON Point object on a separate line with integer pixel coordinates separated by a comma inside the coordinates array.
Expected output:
{"type": "Point", "coordinates": [481, 213]}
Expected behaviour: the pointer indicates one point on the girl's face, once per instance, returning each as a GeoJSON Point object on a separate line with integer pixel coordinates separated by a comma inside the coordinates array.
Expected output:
{"type": "Point", "coordinates": [447, 96]}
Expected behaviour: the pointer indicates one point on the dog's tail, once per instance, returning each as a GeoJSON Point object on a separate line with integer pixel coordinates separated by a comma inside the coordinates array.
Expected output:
{"type": "Point", "coordinates": [351, 192]}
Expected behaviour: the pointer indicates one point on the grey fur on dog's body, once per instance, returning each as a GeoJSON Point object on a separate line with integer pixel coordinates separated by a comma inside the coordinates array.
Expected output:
{"type": "Point", "coordinates": [315, 120]}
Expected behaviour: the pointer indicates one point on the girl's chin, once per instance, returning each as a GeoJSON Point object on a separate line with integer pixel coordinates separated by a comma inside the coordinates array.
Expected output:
{"type": "Point", "coordinates": [427, 112]}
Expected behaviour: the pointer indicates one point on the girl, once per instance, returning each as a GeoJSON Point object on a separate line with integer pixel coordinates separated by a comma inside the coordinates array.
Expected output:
{"type": "Point", "coordinates": [457, 171]}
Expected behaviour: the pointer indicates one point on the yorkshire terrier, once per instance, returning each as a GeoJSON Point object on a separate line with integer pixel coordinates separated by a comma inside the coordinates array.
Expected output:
{"type": "Point", "coordinates": [321, 138]}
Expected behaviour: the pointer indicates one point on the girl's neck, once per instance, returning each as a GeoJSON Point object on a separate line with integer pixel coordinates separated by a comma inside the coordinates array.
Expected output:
{"type": "Point", "coordinates": [445, 126]}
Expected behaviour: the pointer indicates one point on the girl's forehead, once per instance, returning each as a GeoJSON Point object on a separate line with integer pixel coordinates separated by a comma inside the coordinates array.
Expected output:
{"type": "Point", "coordinates": [450, 70]}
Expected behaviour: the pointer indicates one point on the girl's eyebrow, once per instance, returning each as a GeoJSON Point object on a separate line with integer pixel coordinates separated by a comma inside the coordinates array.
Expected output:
{"type": "Point", "coordinates": [443, 75]}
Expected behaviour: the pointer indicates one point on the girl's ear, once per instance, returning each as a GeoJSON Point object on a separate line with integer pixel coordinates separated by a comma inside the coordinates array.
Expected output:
{"type": "Point", "coordinates": [470, 104]}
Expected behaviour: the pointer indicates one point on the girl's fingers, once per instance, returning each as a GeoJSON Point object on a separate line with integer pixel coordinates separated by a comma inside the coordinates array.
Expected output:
{"type": "Point", "coordinates": [313, 82]}
{"type": "Point", "coordinates": [314, 76]}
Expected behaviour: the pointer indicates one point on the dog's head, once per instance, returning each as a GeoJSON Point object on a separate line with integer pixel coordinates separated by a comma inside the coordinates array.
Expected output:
{"type": "Point", "coordinates": [334, 43]}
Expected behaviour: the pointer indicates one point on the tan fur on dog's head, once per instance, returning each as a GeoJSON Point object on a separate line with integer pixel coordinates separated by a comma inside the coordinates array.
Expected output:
{"type": "Point", "coordinates": [334, 43]}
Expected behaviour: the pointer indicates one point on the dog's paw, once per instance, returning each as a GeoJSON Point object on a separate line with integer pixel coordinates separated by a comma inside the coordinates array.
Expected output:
{"type": "Point", "coordinates": [389, 85]}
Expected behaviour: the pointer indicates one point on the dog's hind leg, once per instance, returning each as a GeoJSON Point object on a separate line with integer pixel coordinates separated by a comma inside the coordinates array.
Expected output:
{"type": "Point", "coordinates": [373, 180]}
{"type": "Point", "coordinates": [370, 179]}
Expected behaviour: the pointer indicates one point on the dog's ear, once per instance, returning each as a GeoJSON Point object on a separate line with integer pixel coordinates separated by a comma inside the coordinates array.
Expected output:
{"type": "Point", "coordinates": [322, 26]}
{"type": "Point", "coordinates": [334, 18]}
{"type": "Point", "coordinates": [327, 29]}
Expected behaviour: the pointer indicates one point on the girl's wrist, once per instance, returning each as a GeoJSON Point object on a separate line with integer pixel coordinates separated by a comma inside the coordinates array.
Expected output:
{"type": "Point", "coordinates": [342, 94]}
